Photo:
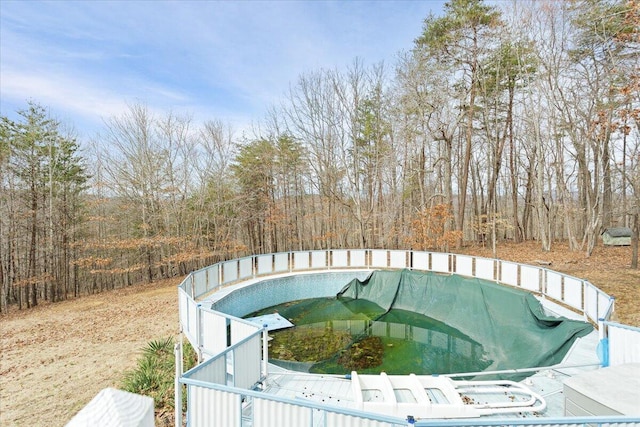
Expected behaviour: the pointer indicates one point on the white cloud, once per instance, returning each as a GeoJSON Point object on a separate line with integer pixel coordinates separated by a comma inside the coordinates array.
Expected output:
{"type": "Point", "coordinates": [216, 60]}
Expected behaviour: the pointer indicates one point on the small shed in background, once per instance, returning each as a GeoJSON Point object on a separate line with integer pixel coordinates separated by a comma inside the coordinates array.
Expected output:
{"type": "Point", "coordinates": [617, 236]}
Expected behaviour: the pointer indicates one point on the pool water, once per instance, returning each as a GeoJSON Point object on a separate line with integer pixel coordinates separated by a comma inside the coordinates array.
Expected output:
{"type": "Point", "coordinates": [397, 342]}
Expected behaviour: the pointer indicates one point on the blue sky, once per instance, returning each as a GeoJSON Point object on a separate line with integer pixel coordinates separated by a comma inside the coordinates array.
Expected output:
{"type": "Point", "coordinates": [227, 60]}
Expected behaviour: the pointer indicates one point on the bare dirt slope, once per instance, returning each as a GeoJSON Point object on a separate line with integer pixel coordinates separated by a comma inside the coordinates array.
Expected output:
{"type": "Point", "coordinates": [57, 357]}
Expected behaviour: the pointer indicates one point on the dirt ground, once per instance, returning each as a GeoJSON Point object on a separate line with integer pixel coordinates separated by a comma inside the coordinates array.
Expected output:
{"type": "Point", "coordinates": [57, 357]}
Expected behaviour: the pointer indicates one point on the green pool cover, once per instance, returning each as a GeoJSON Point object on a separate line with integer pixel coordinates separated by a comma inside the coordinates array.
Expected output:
{"type": "Point", "coordinates": [510, 323]}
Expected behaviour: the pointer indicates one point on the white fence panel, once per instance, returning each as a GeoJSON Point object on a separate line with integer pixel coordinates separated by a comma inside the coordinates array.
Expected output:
{"type": "Point", "coordinates": [241, 330]}
{"type": "Point", "coordinates": [358, 258]}
{"type": "Point", "coordinates": [265, 264]}
{"type": "Point", "coordinates": [213, 372]}
{"type": "Point", "coordinates": [246, 363]}
{"type": "Point", "coordinates": [378, 259]}
{"type": "Point", "coordinates": [605, 304]}
{"type": "Point", "coordinates": [301, 260]}
{"type": "Point", "coordinates": [624, 344]}
{"type": "Point", "coordinates": [211, 408]}
{"type": "Point", "coordinates": [464, 265]}
{"type": "Point", "coordinates": [281, 262]}
{"type": "Point", "coordinates": [573, 292]}
{"type": "Point", "coordinates": [269, 413]}
{"type": "Point", "coordinates": [530, 278]}
{"type": "Point", "coordinates": [184, 305]}
{"type": "Point", "coordinates": [591, 301]}
{"type": "Point", "coordinates": [440, 262]}
{"type": "Point", "coordinates": [213, 331]}
{"type": "Point", "coordinates": [509, 273]}
{"type": "Point", "coordinates": [397, 259]}
{"type": "Point", "coordinates": [554, 285]}
{"type": "Point", "coordinates": [200, 282]}
{"type": "Point", "coordinates": [192, 326]}
{"type": "Point", "coordinates": [421, 260]}
{"type": "Point", "coordinates": [213, 279]}
{"type": "Point", "coordinates": [229, 271]}
{"type": "Point", "coordinates": [246, 267]}
{"type": "Point", "coordinates": [318, 259]}
{"type": "Point", "coordinates": [485, 269]}
{"type": "Point", "coordinates": [339, 259]}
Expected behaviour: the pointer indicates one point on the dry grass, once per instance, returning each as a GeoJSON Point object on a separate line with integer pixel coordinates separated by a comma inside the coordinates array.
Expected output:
{"type": "Point", "coordinates": [57, 357]}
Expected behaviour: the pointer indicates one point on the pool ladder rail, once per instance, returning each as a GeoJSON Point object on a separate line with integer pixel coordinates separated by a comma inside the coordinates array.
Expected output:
{"type": "Point", "coordinates": [428, 396]}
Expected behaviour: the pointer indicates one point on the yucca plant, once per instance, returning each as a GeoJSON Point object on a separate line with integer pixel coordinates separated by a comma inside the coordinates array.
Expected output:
{"type": "Point", "coordinates": [154, 374]}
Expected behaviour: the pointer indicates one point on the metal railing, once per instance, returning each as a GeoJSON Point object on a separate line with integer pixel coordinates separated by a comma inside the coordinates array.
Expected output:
{"type": "Point", "coordinates": [205, 329]}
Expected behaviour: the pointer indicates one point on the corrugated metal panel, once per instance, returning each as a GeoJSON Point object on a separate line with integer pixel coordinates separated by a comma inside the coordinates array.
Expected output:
{"type": "Point", "coordinates": [213, 408]}
{"type": "Point", "coordinates": [268, 413]}
{"type": "Point", "coordinates": [246, 363]}
{"type": "Point", "coordinates": [342, 420]}
{"type": "Point", "coordinates": [624, 345]}
{"type": "Point", "coordinates": [241, 330]}
{"type": "Point", "coordinates": [214, 332]}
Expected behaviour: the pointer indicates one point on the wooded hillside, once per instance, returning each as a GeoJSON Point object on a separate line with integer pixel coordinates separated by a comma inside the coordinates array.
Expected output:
{"type": "Point", "coordinates": [510, 123]}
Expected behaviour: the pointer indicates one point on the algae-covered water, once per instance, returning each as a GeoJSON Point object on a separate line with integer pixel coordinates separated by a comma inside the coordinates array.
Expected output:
{"type": "Point", "coordinates": [334, 336]}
